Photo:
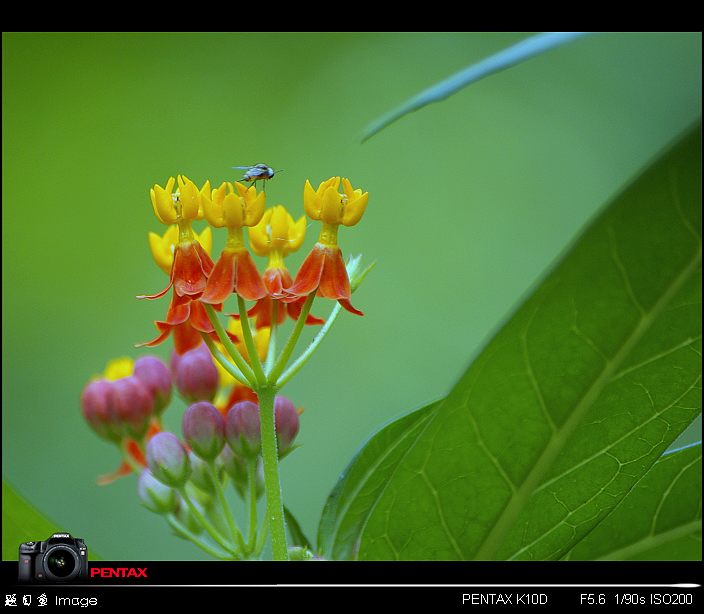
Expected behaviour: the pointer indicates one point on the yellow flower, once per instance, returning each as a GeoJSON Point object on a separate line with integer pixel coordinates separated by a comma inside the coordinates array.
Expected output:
{"type": "Point", "coordinates": [332, 207]}
{"type": "Point", "coordinates": [277, 232]}
{"type": "Point", "coordinates": [118, 368]}
{"type": "Point", "coordinates": [185, 204]}
{"type": "Point", "coordinates": [234, 206]}
{"type": "Point", "coordinates": [164, 246]}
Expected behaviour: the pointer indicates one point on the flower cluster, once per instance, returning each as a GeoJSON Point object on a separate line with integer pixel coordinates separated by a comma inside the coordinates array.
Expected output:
{"type": "Point", "coordinates": [197, 281]}
{"type": "Point", "coordinates": [237, 427]}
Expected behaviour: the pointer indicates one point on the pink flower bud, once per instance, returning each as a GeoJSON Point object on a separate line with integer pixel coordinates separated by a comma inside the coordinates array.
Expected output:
{"type": "Point", "coordinates": [204, 430]}
{"type": "Point", "coordinates": [242, 429]}
{"type": "Point", "coordinates": [99, 410]}
{"type": "Point", "coordinates": [196, 375]}
{"type": "Point", "coordinates": [287, 423]}
{"type": "Point", "coordinates": [168, 460]}
{"type": "Point", "coordinates": [155, 496]}
{"type": "Point", "coordinates": [156, 377]}
{"type": "Point", "coordinates": [134, 405]}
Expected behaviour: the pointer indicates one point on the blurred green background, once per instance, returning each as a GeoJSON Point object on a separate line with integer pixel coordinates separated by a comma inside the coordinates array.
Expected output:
{"type": "Point", "coordinates": [470, 201]}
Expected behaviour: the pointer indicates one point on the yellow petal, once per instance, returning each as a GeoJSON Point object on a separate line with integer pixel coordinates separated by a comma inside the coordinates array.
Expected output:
{"type": "Point", "coordinates": [161, 252]}
{"type": "Point", "coordinates": [190, 200]}
{"type": "Point", "coordinates": [347, 188]}
{"type": "Point", "coordinates": [203, 194]}
{"type": "Point", "coordinates": [241, 189]}
{"type": "Point", "coordinates": [258, 237]}
{"type": "Point", "coordinates": [232, 211]}
{"type": "Point", "coordinates": [254, 209]}
{"type": "Point", "coordinates": [311, 201]}
{"type": "Point", "coordinates": [164, 204]}
{"type": "Point", "coordinates": [212, 207]}
{"type": "Point", "coordinates": [261, 341]}
{"type": "Point", "coordinates": [354, 210]}
{"type": "Point", "coordinates": [152, 196]}
{"type": "Point", "coordinates": [331, 212]}
{"type": "Point", "coordinates": [118, 368]}
{"type": "Point", "coordinates": [296, 235]}
{"type": "Point", "coordinates": [205, 239]}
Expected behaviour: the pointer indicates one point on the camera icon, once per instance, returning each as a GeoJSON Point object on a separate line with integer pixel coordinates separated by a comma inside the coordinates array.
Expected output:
{"type": "Point", "coordinates": [61, 558]}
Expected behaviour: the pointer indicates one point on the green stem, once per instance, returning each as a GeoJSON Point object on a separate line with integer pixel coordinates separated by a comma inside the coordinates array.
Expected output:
{"type": "Point", "coordinates": [232, 525]}
{"type": "Point", "coordinates": [229, 346]}
{"type": "Point", "coordinates": [249, 342]}
{"type": "Point", "coordinates": [305, 356]}
{"type": "Point", "coordinates": [271, 352]}
{"type": "Point", "coordinates": [220, 357]}
{"type": "Point", "coordinates": [252, 480]}
{"type": "Point", "coordinates": [186, 534]}
{"type": "Point", "coordinates": [274, 502]}
{"type": "Point", "coordinates": [292, 340]}
{"type": "Point", "coordinates": [205, 523]}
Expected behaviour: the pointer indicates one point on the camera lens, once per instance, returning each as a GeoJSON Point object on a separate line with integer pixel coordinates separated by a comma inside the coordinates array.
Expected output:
{"type": "Point", "coordinates": [61, 562]}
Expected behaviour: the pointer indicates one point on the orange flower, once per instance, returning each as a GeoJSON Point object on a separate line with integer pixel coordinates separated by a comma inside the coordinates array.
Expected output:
{"type": "Point", "coordinates": [323, 270]}
{"type": "Point", "coordinates": [234, 206]}
{"type": "Point", "coordinates": [276, 236]}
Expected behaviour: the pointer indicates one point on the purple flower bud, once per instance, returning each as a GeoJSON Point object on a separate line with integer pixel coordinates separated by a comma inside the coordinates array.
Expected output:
{"type": "Point", "coordinates": [98, 408]}
{"type": "Point", "coordinates": [134, 405]}
{"type": "Point", "coordinates": [242, 429]}
{"type": "Point", "coordinates": [196, 376]}
{"type": "Point", "coordinates": [200, 474]}
{"type": "Point", "coordinates": [287, 423]}
{"type": "Point", "coordinates": [155, 496]}
{"type": "Point", "coordinates": [168, 460]}
{"type": "Point", "coordinates": [156, 377]}
{"type": "Point", "coordinates": [176, 358]}
{"type": "Point", "coordinates": [204, 430]}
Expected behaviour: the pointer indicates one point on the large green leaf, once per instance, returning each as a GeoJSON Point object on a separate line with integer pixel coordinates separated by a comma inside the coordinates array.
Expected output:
{"type": "Point", "coordinates": [20, 523]}
{"type": "Point", "coordinates": [353, 498]}
{"type": "Point", "coordinates": [571, 402]}
{"type": "Point", "coordinates": [660, 519]}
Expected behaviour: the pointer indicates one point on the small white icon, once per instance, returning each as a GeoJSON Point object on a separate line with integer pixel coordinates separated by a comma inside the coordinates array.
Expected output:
{"type": "Point", "coordinates": [26, 599]}
{"type": "Point", "coordinates": [42, 600]}
{"type": "Point", "coordinates": [11, 600]}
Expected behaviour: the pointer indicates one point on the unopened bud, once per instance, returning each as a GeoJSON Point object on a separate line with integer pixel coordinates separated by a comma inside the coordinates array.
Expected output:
{"type": "Point", "coordinates": [287, 423]}
{"type": "Point", "coordinates": [196, 376]}
{"type": "Point", "coordinates": [298, 553]}
{"type": "Point", "coordinates": [200, 474]}
{"type": "Point", "coordinates": [156, 377]}
{"type": "Point", "coordinates": [99, 410]}
{"type": "Point", "coordinates": [155, 496]}
{"type": "Point", "coordinates": [204, 430]}
{"type": "Point", "coordinates": [134, 405]}
{"type": "Point", "coordinates": [168, 460]}
{"type": "Point", "coordinates": [242, 429]}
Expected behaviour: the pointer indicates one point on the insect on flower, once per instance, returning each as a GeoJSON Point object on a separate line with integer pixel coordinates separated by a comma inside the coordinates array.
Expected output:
{"type": "Point", "coordinates": [257, 172]}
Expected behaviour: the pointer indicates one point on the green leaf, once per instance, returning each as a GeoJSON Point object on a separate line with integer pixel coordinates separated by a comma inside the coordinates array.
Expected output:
{"type": "Point", "coordinates": [295, 532]}
{"type": "Point", "coordinates": [515, 54]}
{"type": "Point", "coordinates": [352, 500]}
{"type": "Point", "coordinates": [659, 520]}
{"type": "Point", "coordinates": [571, 402]}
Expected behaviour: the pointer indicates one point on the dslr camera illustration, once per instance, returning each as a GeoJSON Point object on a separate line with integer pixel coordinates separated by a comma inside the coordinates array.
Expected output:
{"type": "Point", "coordinates": [61, 558]}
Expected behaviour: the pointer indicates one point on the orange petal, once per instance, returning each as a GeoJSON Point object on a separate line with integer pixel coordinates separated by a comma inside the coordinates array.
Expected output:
{"type": "Point", "coordinates": [347, 305]}
{"type": "Point", "coordinates": [248, 282]}
{"type": "Point", "coordinates": [199, 318]}
{"type": "Point", "coordinates": [164, 331]}
{"type": "Point", "coordinates": [107, 478]}
{"type": "Point", "coordinates": [308, 276]}
{"type": "Point", "coordinates": [186, 338]}
{"type": "Point", "coordinates": [334, 282]}
{"type": "Point", "coordinates": [189, 273]}
{"type": "Point", "coordinates": [179, 310]}
{"type": "Point", "coordinates": [294, 310]}
{"type": "Point", "coordinates": [221, 282]}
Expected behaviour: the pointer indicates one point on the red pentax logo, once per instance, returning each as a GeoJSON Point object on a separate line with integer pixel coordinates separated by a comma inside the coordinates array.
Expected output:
{"type": "Point", "coordinates": [118, 572]}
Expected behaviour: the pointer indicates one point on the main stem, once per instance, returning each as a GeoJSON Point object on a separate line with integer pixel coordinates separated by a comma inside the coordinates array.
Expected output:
{"type": "Point", "coordinates": [272, 485]}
